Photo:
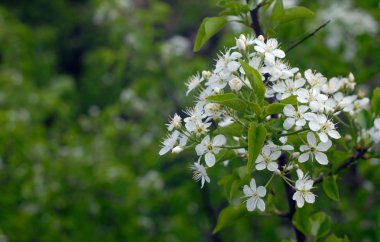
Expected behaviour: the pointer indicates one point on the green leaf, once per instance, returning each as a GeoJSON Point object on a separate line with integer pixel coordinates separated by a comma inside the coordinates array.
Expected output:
{"type": "Point", "coordinates": [290, 100]}
{"type": "Point", "coordinates": [234, 129]}
{"type": "Point", "coordinates": [209, 27]}
{"type": "Point", "coordinates": [257, 109]}
{"type": "Point", "coordinates": [375, 101]}
{"type": "Point", "coordinates": [334, 238]}
{"type": "Point", "coordinates": [274, 108]}
{"type": "Point", "coordinates": [330, 187]}
{"type": "Point", "coordinates": [364, 119]}
{"type": "Point", "coordinates": [294, 13]}
{"type": "Point", "coordinates": [278, 11]}
{"type": "Point", "coordinates": [229, 215]}
{"type": "Point", "coordinates": [256, 139]}
{"type": "Point", "coordinates": [233, 8]}
{"type": "Point", "coordinates": [229, 100]}
{"type": "Point", "coordinates": [255, 80]}
{"type": "Point", "coordinates": [320, 224]}
{"type": "Point", "coordinates": [301, 219]}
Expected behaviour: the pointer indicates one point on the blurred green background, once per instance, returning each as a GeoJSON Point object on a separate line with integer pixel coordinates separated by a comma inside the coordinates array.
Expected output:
{"type": "Point", "coordinates": [85, 91]}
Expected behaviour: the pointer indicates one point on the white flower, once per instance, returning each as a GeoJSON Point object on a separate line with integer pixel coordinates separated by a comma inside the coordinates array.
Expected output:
{"type": "Point", "coordinates": [278, 70]}
{"type": "Point", "coordinates": [284, 146]}
{"type": "Point", "coordinates": [315, 79]}
{"type": "Point", "coordinates": [314, 149]}
{"type": "Point", "coordinates": [169, 142]}
{"type": "Point", "coordinates": [323, 127]}
{"type": "Point", "coordinates": [313, 97]}
{"type": "Point", "coordinates": [332, 86]}
{"type": "Point", "coordinates": [374, 132]}
{"type": "Point", "coordinates": [235, 83]}
{"type": "Point", "coordinates": [174, 123]}
{"type": "Point", "coordinates": [267, 159]}
{"type": "Point", "coordinates": [288, 87]}
{"type": "Point", "coordinates": [269, 49]}
{"type": "Point", "coordinates": [210, 148]}
{"type": "Point", "coordinates": [254, 196]}
{"type": "Point", "coordinates": [303, 187]}
{"type": "Point", "coordinates": [193, 82]}
{"type": "Point", "coordinates": [294, 117]}
{"type": "Point", "coordinates": [227, 63]}
{"type": "Point", "coordinates": [199, 173]}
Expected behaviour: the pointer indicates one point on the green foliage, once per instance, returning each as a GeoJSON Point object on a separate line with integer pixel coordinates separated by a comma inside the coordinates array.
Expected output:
{"type": "Point", "coordinates": [255, 80]}
{"type": "Point", "coordinates": [256, 138]}
{"type": "Point", "coordinates": [209, 27]}
{"type": "Point", "coordinates": [229, 216]}
{"type": "Point", "coordinates": [229, 100]}
{"type": "Point", "coordinates": [330, 187]}
{"type": "Point", "coordinates": [375, 101]}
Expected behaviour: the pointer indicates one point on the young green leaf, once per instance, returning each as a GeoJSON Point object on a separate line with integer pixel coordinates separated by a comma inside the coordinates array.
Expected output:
{"type": "Point", "coordinates": [334, 238]}
{"type": "Point", "coordinates": [256, 139]}
{"type": "Point", "coordinates": [375, 101]}
{"type": "Point", "coordinates": [294, 13]}
{"type": "Point", "coordinates": [229, 215]}
{"type": "Point", "coordinates": [320, 224]}
{"type": "Point", "coordinates": [330, 187]}
{"type": "Point", "coordinates": [278, 11]}
{"type": "Point", "coordinates": [301, 219]}
{"type": "Point", "coordinates": [255, 80]}
{"type": "Point", "coordinates": [229, 100]}
{"type": "Point", "coordinates": [274, 108]}
{"type": "Point", "coordinates": [209, 27]}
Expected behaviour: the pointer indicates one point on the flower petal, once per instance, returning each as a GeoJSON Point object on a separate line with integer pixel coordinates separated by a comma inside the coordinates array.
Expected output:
{"type": "Point", "coordinates": [303, 157]}
{"type": "Point", "coordinates": [321, 158]}
{"type": "Point", "coordinates": [210, 159]}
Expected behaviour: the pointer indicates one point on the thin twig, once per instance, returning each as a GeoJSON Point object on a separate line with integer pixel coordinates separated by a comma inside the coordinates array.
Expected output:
{"type": "Point", "coordinates": [358, 155]}
{"type": "Point", "coordinates": [282, 161]}
{"type": "Point", "coordinates": [255, 24]}
{"type": "Point", "coordinates": [308, 36]}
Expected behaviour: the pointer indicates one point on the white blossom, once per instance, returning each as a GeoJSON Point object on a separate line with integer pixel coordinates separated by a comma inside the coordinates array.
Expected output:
{"type": "Point", "coordinates": [254, 196]}
{"type": "Point", "coordinates": [200, 173]}
{"type": "Point", "coordinates": [210, 148]}
{"type": "Point", "coordinates": [303, 187]}
{"type": "Point", "coordinates": [314, 149]}
{"type": "Point", "coordinates": [294, 116]}
{"type": "Point", "coordinates": [267, 159]}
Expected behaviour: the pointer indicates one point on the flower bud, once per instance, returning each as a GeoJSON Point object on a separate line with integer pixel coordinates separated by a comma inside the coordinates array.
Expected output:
{"type": "Point", "coordinates": [240, 44]}
{"type": "Point", "coordinates": [298, 75]}
{"type": "Point", "coordinates": [261, 38]}
{"type": "Point", "coordinates": [295, 155]}
{"type": "Point", "coordinates": [206, 74]}
{"type": "Point", "coordinates": [177, 149]}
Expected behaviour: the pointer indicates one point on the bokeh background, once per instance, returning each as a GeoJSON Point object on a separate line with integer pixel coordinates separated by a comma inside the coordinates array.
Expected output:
{"type": "Point", "coordinates": [86, 88]}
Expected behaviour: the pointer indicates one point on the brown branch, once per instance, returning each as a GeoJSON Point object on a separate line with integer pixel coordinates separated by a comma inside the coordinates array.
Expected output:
{"type": "Point", "coordinates": [282, 161]}
{"type": "Point", "coordinates": [307, 36]}
{"type": "Point", "coordinates": [358, 155]}
{"type": "Point", "coordinates": [255, 24]}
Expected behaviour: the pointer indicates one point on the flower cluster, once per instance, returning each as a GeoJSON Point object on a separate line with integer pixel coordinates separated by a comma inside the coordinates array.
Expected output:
{"type": "Point", "coordinates": [299, 111]}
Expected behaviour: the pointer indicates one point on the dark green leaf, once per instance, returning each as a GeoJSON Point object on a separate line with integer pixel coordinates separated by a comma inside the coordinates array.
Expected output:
{"type": "Point", "coordinates": [294, 13]}
{"type": "Point", "coordinates": [375, 102]}
{"type": "Point", "coordinates": [209, 27]}
{"type": "Point", "coordinates": [229, 215]}
{"type": "Point", "coordinates": [234, 129]}
{"type": "Point", "coordinates": [255, 80]}
{"type": "Point", "coordinates": [256, 138]}
{"type": "Point", "coordinates": [330, 187]}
